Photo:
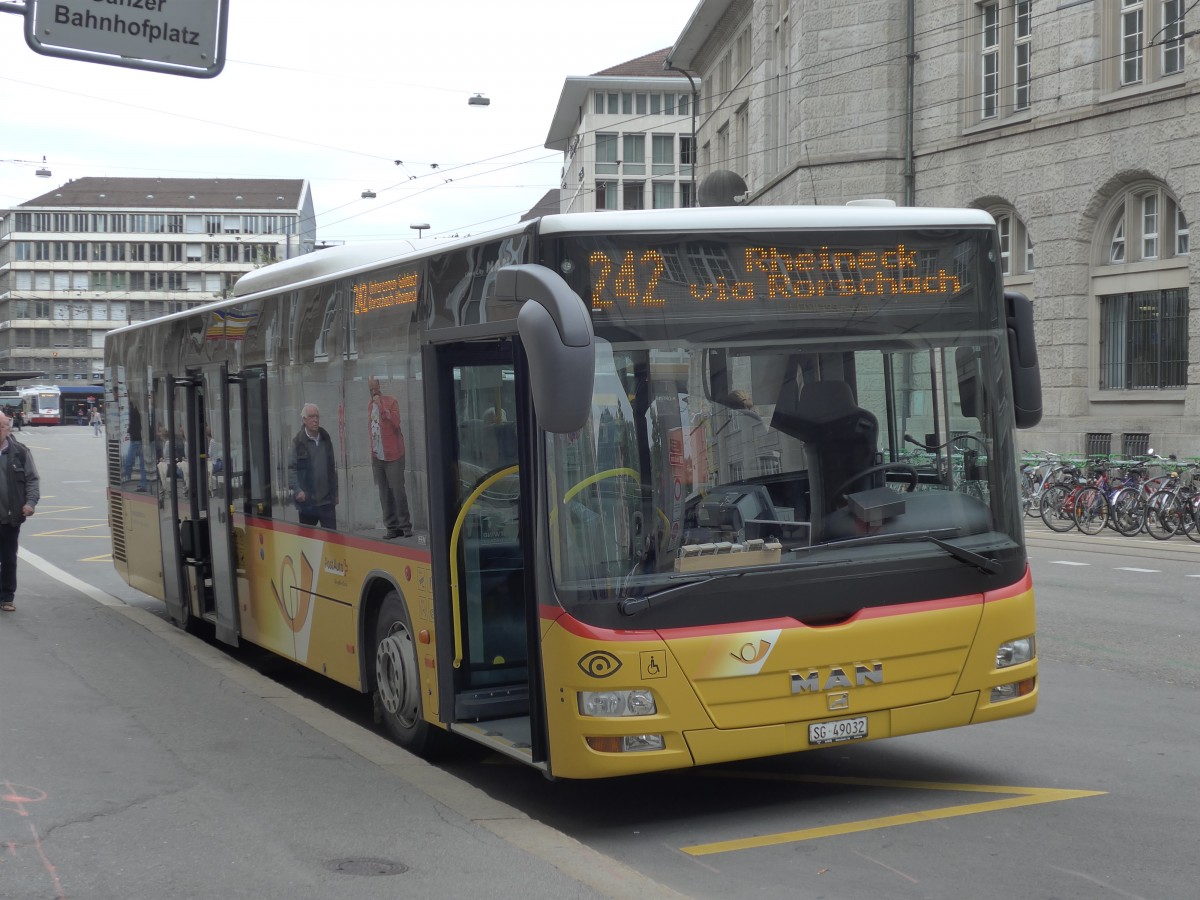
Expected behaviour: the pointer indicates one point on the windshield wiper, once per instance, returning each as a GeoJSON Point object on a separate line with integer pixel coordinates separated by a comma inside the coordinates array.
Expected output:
{"type": "Point", "coordinates": [630, 606]}
{"type": "Point", "coordinates": [984, 564]}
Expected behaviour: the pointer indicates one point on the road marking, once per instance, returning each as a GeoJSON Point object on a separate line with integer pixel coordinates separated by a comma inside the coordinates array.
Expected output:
{"type": "Point", "coordinates": [1023, 796]}
{"type": "Point", "coordinates": [102, 597]}
{"type": "Point", "coordinates": [1132, 569]}
{"type": "Point", "coordinates": [1067, 562]}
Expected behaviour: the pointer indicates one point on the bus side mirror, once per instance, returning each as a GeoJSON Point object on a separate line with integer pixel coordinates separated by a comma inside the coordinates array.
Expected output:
{"type": "Point", "coordinates": [556, 333]}
{"type": "Point", "coordinates": [1022, 355]}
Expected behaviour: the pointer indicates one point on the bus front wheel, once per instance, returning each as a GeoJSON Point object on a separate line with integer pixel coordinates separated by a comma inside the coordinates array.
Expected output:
{"type": "Point", "coordinates": [397, 678]}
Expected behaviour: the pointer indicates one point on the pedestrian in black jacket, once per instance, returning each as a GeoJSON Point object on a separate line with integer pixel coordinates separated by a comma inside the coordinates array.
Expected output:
{"type": "Point", "coordinates": [20, 492]}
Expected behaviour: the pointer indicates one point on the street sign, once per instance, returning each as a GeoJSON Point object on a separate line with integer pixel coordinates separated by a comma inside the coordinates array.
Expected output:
{"type": "Point", "coordinates": [180, 37]}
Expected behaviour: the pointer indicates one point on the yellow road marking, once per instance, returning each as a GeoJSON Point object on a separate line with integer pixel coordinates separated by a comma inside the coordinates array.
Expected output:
{"type": "Point", "coordinates": [103, 557]}
{"type": "Point", "coordinates": [66, 532]}
{"type": "Point", "coordinates": [1021, 796]}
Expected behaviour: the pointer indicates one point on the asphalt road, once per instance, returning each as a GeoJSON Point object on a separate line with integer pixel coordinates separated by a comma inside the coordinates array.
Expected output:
{"type": "Point", "coordinates": [1094, 796]}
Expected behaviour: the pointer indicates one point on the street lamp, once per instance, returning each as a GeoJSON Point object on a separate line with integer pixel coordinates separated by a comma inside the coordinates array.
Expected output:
{"type": "Point", "coordinates": [419, 229]}
{"type": "Point", "coordinates": [479, 100]}
{"type": "Point", "coordinates": [41, 172]}
{"type": "Point", "coordinates": [669, 67]}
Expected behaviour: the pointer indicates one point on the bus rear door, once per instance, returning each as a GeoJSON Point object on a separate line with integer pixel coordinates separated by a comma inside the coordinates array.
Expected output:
{"type": "Point", "coordinates": [197, 502]}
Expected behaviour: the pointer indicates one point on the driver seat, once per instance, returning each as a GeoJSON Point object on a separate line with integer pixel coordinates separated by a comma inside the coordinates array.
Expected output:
{"type": "Point", "coordinates": [840, 440]}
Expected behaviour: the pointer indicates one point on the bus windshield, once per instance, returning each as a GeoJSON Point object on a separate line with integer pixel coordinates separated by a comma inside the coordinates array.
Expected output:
{"type": "Point", "coordinates": [773, 403]}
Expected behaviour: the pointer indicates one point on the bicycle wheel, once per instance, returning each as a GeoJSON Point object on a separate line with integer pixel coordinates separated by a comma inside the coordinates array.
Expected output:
{"type": "Point", "coordinates": [1055, 508]}
{"type": "Point", "coordinates": [1164, 512]}
{"type": "Point", "coordinates": [1126, 511]}
{"type": "Point", "coordinates": [1194, 531]}
{"type": "Point", "coordinates": [1029, 493]}
{"type": "Point", "coordinates": [1090, 509]}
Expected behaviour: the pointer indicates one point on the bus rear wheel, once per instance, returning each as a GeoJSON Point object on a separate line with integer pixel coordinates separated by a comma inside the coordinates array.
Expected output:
{"type": "Point", "coordinates": [397, 678]}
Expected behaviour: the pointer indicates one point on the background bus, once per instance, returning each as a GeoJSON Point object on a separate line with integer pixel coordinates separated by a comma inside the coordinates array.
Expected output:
{"type": "Point", "coordinates": [661, 503]}
{"type": "Point", "coordinates": [76, 402]}
{"type": "Point", "coordinates": [42, 406]}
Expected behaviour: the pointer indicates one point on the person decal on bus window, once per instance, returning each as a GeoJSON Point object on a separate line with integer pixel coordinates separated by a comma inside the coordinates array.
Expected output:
{"type": "Point", "coordinates": [312, 471]}
{"type": "Point", "coordinates": [387, 460]}
{"type": "Point", "coordinates": [19, 494]}
{"type": "Point", "coordinates": [135, 449]}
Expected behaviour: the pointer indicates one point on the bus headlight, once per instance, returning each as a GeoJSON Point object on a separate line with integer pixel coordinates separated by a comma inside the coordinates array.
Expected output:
{"type": "Point", "coordinates": [607, 704]}
{"type": "Point", "coordinates": [1015, 652]}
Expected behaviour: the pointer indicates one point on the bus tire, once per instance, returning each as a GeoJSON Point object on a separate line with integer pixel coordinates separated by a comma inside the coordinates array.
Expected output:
{"type": "Point", "coordinates": [397, 678]}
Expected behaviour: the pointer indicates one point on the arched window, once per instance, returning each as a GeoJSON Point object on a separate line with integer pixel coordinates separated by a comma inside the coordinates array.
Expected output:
{"type": "Point", "coordinates": [1016, 243]}
{"type": "Point", "coordinates": [1140, 282]}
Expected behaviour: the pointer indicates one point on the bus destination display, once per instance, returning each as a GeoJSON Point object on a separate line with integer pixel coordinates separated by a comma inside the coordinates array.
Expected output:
{"type": "Point", "coordinates": [703, 277]}
{"type": "Point", "coordinates": [372, 295]}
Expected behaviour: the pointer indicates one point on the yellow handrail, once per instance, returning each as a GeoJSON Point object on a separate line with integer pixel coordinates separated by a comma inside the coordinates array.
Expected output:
{"type": "Point", "coordinates": [600, 476]}
{"type": "Point", "coordinates": [454, 535]}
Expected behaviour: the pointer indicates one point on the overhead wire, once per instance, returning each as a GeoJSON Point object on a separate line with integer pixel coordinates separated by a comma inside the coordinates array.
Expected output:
{"type": "Point", "coordinates": [806, 76]}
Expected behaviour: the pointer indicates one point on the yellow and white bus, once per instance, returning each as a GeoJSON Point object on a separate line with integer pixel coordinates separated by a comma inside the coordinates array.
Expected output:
{"type": "Point", "coordinates": [657, 506]}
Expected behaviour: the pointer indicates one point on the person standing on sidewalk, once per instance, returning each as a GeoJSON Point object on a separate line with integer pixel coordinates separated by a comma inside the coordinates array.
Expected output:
{"type": "Point", "coordinates": [19, 494]}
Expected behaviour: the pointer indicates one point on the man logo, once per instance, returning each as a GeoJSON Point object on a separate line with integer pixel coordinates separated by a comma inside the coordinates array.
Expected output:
{"type": "Point", "coordinates": [836, 677]}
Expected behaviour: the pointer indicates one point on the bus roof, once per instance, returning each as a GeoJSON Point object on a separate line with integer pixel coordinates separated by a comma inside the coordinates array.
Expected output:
{"type": "Point", "coordinates": [765, 218]}
{"type": "Point", "coordinates": [349, 259]}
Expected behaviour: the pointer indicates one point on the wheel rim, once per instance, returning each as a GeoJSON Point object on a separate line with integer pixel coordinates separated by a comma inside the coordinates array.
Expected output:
{"type": "Point", "coordinates": [396, 675]}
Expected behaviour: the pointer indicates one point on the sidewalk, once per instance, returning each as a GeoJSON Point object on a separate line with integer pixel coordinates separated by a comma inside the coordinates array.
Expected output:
{"type": "Point", "coordinates": [138, 763]}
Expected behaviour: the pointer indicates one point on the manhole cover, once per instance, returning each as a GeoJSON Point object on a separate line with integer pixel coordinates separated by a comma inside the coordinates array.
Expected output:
{"type": "Point", "coordinates": [366, 866]}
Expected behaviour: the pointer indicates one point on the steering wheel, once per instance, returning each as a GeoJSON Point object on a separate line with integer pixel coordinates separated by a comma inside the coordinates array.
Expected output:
{"type": "Point", "coordinates": [881, 467]}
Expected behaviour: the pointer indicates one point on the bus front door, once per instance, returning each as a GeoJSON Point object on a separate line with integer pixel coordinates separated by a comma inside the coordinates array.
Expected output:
{"type": "Point", "coordinates": [476, 392]}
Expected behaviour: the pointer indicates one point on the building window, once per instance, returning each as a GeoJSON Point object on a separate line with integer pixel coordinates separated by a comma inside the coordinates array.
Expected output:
{"type": "Point", "coordinates": [634, 160]}
{"type": "Point", "coordinates": [633, 194]}
{"type": "Point", "coordinates": [606, 154]}
{"type": "Point", "coordinates": [664, 194]}
{"type": "Point", "coordinates": [1003, 70]}
{"type": "Point", "coordinates": [1016, 244]}
{"type": "Point", "coordinates": [687, 150]}
{"type": "Point", "coordinates": [1140, 280]}
{"type": "Point", "coordinates": [1172, 37]}
{"type": "Point", "coordinates": [663, 149]}
{"type": "Point", "coordinates": [1135, 229]}
{"type": "Point", "coordinates": [606, 195]}
{"type": "Point", "coordinates": [741, 124]}
{"type": "Point", "coordinates": [1145, 42]}
{"type": "Point", "coordinates": [1143, 340]}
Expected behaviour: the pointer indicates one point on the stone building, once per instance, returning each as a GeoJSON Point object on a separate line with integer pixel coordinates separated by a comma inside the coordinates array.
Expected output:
{"type": "Point", "coordinates": [98, 253]}
{"type": "Point", "coordinates": [1073, 123]}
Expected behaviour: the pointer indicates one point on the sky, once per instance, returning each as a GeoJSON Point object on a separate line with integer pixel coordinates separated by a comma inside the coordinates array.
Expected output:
{"type": "Point", "coordinates": [336, 93]}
